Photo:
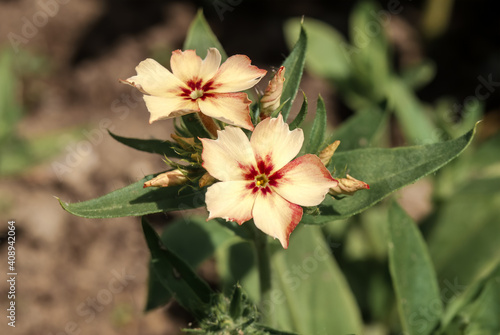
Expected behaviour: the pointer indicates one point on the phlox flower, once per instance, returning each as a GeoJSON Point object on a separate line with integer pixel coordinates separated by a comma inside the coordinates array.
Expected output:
{"type": "Point", "coordinates": [197, 85]}
{"type": "Point", "coordinates": [259, 179]}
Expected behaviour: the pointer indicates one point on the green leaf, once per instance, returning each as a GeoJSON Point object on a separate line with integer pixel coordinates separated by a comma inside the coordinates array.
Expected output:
{"type": "Point", "coordinates": [301, 116]}
{"type": "Point", "coordinates": [385, 170]}
{"type": "Point", "coordinates": [369, 54]}
{"type": "Point", "coordinates": [412, 274]}
{"type": "Point", "coordinates": [411, 114]}
{"type": "Point", "coordinates": [477, 310]}
{"type": "Point", "coordinates": [317, 136]}
{"type": "Point", "coordinates": [201, 37]}
{"type": "Point", "coordinates": [464, 240]}
{"type": "Point", "coordinates": [306, 274]}
{"type": "Point", "coordinates": [359, 130]}
{"type": "Point", "coordinates": [154, 146]}
{"type": "Point", "coordinates": [419, 75]}
{"type": "Point", "coordinates": [294, 67]}
{"type": "Point", "coordinates": [134, 200]}
{"type": "Point", "coordinates": [180, 237]}
{"type": "Point", "coordinates": [190, 291]}
{"type": "Point", "coordinates": [326, 50]}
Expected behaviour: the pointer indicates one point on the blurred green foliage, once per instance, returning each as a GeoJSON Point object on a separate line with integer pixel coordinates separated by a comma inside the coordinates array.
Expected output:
{"type": "Point", "coordinates": [17, 153]}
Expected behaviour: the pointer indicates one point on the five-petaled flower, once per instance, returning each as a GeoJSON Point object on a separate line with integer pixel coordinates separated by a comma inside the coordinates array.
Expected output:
{"type": "Point", "coordinates": [197, 85]}
{"type": "Point", "coordinates": [260, 180]}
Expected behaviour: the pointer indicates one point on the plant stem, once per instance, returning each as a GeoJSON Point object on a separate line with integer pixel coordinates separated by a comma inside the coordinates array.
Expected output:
{"type": "Point", "coordinates": [264, 266]}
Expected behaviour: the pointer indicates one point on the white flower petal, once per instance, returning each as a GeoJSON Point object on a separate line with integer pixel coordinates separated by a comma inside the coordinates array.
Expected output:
{"type": "Point", "coordinates": [185, 65]}
{"type": "Point", "coordinates": [237, 74]}
{"type": "Point", "coordinates": [273, 141]}
{"type": "Point", "coordinates": [168, 107]}
{"type": "Point", "coordinates": [210, 65]}
{"type": "Point", "coordinates": [154, 79]}
{"type": "Point", "coordinates": [231, 108]}
{"type": "Point", "coordinates": [304, 181]}
{"type": "Point", "coordinates": [275, 216]}
{"type": "Point", "coordinates": [229, 157]}
{"type": "Point", "coordinates": [230, 200]}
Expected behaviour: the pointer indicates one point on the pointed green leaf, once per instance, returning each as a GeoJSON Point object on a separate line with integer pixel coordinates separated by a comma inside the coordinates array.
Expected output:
{"type": "Point", "coordinates": [306, 274]}
{"type": "Point", "coordinates": [164, 148]}
{"type": "Point", "coordinates": [413, 275]}
{"type": "Point", "coordinates": [294, 67]}
{"type": "Point", "coordinates": [385, 170]}
{"type": "Point", "coordinates": [200, 37]}
{"type": "Point", "coordinates": [134, 200]}
{"type": "Point", "coordinates": [301, 116]}
{"type": "Point", "coordinates": [180, 236]}
{"type": "Point", "coordinates": [317, 136]}
{"type": "Point", "coordinates": [189, 290]}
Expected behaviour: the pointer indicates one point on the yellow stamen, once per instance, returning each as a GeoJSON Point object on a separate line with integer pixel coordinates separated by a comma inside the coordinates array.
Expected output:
{"type": "Point", "coordinates": [261, 180]}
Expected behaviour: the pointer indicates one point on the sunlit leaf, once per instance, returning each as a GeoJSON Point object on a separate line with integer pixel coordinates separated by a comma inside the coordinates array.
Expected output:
{"type": "Point", "coordinates": [385, 170]}
{"type": "Point", "coordinates": [307, 275]}
{"type": "Point", "coordinates": [134, 200]}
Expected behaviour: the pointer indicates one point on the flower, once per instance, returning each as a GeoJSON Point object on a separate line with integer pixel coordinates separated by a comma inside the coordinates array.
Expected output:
{"type": "Point", "coordinates": [259, 179]}
{"type": "Point", "coordinates": [271, 99]}
{"type": "Point", "coordinates": [197, 85]}
{"type": "Point", "coordinates": [348, 186]}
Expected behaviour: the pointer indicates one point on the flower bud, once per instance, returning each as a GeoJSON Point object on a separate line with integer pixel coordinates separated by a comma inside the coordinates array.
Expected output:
{"type": "Point", "coordinates": [272, 96]}
{"type": "Point", "coordinates": [169, 178]}
{"type": "Point", "coordinates": [326, 154]}
{"type": "Point", "coordinates": [348, 186]}
{"type": "Point", "coordinates": [206, 180]}
{"type": "Point", "coordinates": [186, 143]}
